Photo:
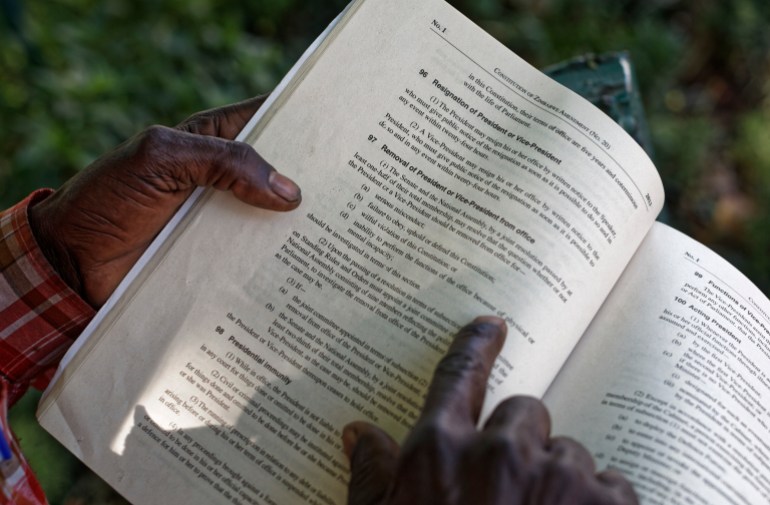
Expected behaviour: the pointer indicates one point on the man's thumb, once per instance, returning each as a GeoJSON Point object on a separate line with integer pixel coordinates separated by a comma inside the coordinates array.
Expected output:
{"type": "Point", "coordinates": [373, 456]}
{"type": "Point", "coordinates": [175, 161]}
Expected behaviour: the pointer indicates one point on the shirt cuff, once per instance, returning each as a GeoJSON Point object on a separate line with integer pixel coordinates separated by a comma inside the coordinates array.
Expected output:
{"type": "Point", "coordinates": [40, 315]}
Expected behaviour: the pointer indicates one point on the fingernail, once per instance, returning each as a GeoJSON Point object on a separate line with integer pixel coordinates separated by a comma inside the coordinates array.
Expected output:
{"type": "Point", "coordinates": [499, 322]}
{"type": "Point", "coordinates": [284, 187]}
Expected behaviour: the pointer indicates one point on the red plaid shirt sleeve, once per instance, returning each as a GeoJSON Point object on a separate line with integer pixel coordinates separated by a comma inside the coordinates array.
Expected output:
{"type": "Point", "coordinates": [40, 317]}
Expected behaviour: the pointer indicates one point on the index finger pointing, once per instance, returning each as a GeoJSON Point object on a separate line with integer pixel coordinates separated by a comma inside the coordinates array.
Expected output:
{"type": "Point", "coordinates": [460, 379]}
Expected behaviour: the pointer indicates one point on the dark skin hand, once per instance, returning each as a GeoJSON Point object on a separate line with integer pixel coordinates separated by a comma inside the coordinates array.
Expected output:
{"type": "Point", "coordinates": [447, 460]}
{"type": "Point", "coordinates": [95, 227]}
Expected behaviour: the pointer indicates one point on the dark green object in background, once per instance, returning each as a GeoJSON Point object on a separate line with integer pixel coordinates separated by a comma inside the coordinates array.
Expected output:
{"type": "Point", "coordinates": [609, 82]}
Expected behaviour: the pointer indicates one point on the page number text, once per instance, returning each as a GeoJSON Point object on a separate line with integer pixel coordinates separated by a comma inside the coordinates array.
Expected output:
{"type": "Point", "coordinates": [438, 26]}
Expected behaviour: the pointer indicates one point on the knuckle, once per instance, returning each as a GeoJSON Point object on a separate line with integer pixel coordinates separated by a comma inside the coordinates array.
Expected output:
{"type": "Point", "coordinates": [459, 363]}
{"type": "Point", "coordinates": [202, 123]}
{"type": "Point", "coordinates": [243, 163]}
{"type": "Point", "coordinates": [152, 139]}
{"type": "Point", "coordinates": [240, 151]}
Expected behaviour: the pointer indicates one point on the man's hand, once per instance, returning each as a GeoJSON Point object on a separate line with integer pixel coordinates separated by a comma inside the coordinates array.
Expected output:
{"type": "Point", "coordinates": [95, 227]}
{"type": "Point", "coordinates": [447, 460]}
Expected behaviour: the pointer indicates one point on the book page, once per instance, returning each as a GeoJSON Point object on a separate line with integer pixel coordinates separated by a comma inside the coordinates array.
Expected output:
{"type": "Point", "coordinates": [443, 178]}
{"type": "Point", "coordinates": [480, 178]}
{"type": "Point", "coordinates": [671, 383]}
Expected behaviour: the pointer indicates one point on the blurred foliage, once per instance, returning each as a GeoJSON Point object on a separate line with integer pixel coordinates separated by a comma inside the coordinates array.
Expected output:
{"type": "Point", "coordinates": [80, 76]}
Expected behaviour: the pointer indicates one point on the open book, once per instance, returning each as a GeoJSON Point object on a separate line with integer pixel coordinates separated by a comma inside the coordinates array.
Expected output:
{"type": "Point", "coordinates": [443, 178]}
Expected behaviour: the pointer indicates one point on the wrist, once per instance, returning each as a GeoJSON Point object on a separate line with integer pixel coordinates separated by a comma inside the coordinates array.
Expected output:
{"type": "Point", "coordinates": [43, 228]}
